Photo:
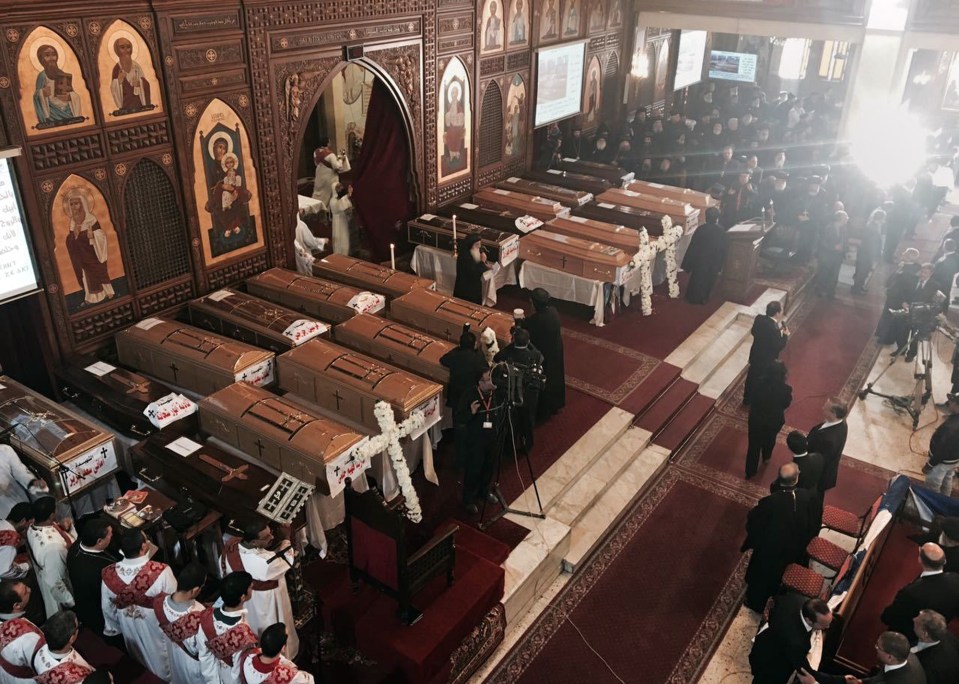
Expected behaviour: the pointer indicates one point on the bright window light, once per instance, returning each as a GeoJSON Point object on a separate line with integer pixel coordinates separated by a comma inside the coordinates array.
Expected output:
{"type": "Point", "coordinates": [888, 143]}
{"type": "Point", "coordinates": [792, 61]}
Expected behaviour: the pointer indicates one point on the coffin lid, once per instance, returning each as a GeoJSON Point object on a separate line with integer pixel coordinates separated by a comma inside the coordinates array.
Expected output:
{"type": "Point", "coordinates": [588, 248]}
{"type": "Point", "coordinates": [594, 223]}
{"type": "Point", "coordinates": [249, 308]}
{"type": "Point", "coordinates": [311, 286]}
{"type": "Point", "coordinates": [394, 335]}
{"type": "Point", "coordinates": [367, 270]}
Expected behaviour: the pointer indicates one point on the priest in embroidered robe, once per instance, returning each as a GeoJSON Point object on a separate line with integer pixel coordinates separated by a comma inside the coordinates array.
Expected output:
{"type": "Point", "coordinates": [57, 662]}
{"type": "Point", "coordinates": [224, 632]}
{"type": "Point", "coordinates": [129, 587]}
{"type": "Point", "coordinates": [268, 664]}
{"type": "Point", "coordinates": [48, 542]}
{"type": "Point", "coordinates": [20, 639]}
{"type": "Point", "coordinates": [271, 599]}
{"type": "Point", "coordinates": [329, 166]}
{"type": "Point", "coordinates": [13, 530]}
{"type": "Point", "coordinates": [15, 480]}
{"type": "Point", "coordinates": [178, 615]}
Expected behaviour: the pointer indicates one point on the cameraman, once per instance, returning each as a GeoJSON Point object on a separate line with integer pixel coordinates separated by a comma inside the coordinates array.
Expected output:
{"type": "Point", "coordinates": [522, 354]}
{"type": "Point", "coordinates": [477, 412]}
{"type": "Point", "coordinates": [925, 292]}
{"type": "Point", "coordinates": [940, 469]}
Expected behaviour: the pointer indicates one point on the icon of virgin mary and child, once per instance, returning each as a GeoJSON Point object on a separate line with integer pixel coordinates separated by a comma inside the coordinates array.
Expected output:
{"type": "Point", "coordinates": [228, 199]}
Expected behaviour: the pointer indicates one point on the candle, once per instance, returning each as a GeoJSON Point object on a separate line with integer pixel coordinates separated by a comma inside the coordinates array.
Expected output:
{"type": "Point", "coordinates": [392, 256]}
{"type": "Point", "coordinates": [454, 231]}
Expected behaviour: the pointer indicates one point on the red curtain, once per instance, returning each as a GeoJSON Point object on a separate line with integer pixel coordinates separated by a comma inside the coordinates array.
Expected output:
{"type": "Point", "coordinates": [381, 189]}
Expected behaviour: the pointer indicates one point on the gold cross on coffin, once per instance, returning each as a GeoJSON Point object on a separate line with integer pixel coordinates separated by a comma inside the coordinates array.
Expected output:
{"type": "Point", "coordinates": [238, 473]}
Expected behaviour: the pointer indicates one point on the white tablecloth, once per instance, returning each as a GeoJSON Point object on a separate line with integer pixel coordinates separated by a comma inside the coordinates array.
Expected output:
{"type": "Point", "coordinates": [308, 205]}
{"type": "Point", "coordinates": [572, 288]}
{"type": "Point", "coordinates": [439, 265]}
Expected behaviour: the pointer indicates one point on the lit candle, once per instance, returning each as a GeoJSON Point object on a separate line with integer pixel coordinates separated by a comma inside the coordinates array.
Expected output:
{"type": "Point", "coordinates": [392, 256]}
{"type": "Point", "coordinates": [454, 231]}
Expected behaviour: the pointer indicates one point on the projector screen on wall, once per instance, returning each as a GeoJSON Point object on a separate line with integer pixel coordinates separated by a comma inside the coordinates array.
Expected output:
{"type": "Point", "coordinates": [732, 66]}
{"type": "Point", "coordinates": [18, 273]}
{"type": "Point", "coordinates": [559, 82]}
{"type": "Point", "coordinates": [689, 64]}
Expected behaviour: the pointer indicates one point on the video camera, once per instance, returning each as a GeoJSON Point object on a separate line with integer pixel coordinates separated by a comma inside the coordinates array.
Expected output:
{"type": "Point", "coordinates": [922, 317]}
{"type": "Point", "coordinates": [513, 380]}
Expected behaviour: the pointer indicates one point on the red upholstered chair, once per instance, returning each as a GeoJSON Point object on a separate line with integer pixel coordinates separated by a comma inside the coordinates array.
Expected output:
{"type": "Point", "coordinates": [802, 580]}
{"type": "Point", "coordinates": [847, 523]}
{"type": "Point", "coordinates": [826, 553]}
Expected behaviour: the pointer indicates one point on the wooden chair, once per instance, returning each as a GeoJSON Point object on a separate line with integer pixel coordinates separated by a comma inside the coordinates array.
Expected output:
{"type": "Point", "coordinates": [379, 555]}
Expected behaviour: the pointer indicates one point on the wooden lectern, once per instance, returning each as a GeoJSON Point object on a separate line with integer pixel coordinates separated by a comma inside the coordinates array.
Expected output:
{"type": "Point", "coordinates": [742, 252]}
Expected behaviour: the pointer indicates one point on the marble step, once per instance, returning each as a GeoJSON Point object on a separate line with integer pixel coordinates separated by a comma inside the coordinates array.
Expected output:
{"type": "Point", "coordinates": [658, 415]}
{"type": "Point", "coordinates": [533, 565]}
{"type": "Point", "coordinates": [721, 348]}
{"type": "Point", "coordinates": [607, 509]}
{"type": "Point", "coordinates": [723, 376]}
{"type": "Point", "coordinates": [590, 486]}
{"type": "Point", "coordinates": [685, 422]}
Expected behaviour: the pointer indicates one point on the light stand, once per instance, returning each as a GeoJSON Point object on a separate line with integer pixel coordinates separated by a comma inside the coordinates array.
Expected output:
{"type": "Point", "coordinates": [913, 403]}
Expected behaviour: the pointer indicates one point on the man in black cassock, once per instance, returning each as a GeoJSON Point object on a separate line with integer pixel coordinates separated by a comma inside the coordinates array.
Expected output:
{"type": "Point", "coordinates": [810, 210]}
{"type": "Point", "coordinates": [832, 251]}
{"type": "Point", "coordinates": [777, 530]}
{"type": "Point", "coordinates": [829, 439]}
{"type": "Point", "coordinates": [704, 258]}
{"type": "Point", "coordinates": [769, 338]}
{"type": "Point", "coordinates": [546, 335]}
{"type": "Point", "coordinates": [86, 560]}
{"type": "Point", "coordinates": [464, 364]}
{"type": "Point", "coordinates": [520, 353]}
{"type": "Point", "coordinates": [478, 412]}
{"type": "Point", "coordinates": [470, 268]}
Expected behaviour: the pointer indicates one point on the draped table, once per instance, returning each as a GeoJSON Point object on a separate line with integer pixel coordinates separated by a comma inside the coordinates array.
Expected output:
{"type": "Point", "coordinates": [439, 265]}
{"type": "Point", "coordinates": [573, 288]}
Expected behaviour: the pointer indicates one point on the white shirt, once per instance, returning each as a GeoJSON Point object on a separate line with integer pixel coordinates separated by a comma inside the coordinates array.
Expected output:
{"type": "Point", "coordinates": [829, 424]}
{"type": "Point", "coordinates": [46, 660]}
{"type": "Point", "coordinates": [890, 668]}
{"type": "Point", "coordinates": [923, 645]}
{"type": "Point", "coordinates": [930, 573]}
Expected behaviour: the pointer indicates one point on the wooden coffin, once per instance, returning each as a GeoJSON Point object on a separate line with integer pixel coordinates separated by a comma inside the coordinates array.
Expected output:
{"type": "Point", "coordinates": [613, 174]}
{"type": "Point", "coordinates": [349, 383]}
{"type": "Point", "coordinates": [325, 299]}
{"type": "Point", "coordinates": [397, 344]}
{"type": "Point", "coordinates": [681, 213]}
{"type": "Point", "coordinates": [205, 476]}
{"type": "Point", "coordinates": [283, 433]}
{"type": "Point", "coordinates": [620, 214]}
{"type": "Point", "coordinates": [698, 200]}
{"type": "Point", "coordinates": [437, 231]}
{"type": "Point", "coordinates": [626, 239]}
{"type": "Point", "coordinates": [445, 316]}
{"type": "Point", "coordinates": [508, 221]}
{"type": "Point", "coordinates": [568, 179]}
{"type": "Point", "coordinates": [116, 396]}
{"type": "Point", "coordinates": [540, 207]}
{"type": "Point", "coordinates": [585, 258]}
{"type": "Point", "coordinates": [369, 276]}
{"type": "Point", "coordinates": [566, 196]}
{"type": "Point", "coordinates": [191, 358]}
{"type": "Point", "coordinates": [65, 451]}
{"type": "Point", "coordinates": [254, 321]}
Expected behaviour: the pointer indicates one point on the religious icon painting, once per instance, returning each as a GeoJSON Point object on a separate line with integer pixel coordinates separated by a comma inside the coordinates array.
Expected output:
{"type": "Point", "coordinates": [86, 247]}
{"type": "Point", "coordinates": [225, 186]}
{"type": "Point", "coordinates": [516, 113]}
{"type": "Point", "coordinates": [454, 120]}
{"type": "Point", "coordinates": [593, 91]}
{"type": "Point", "coordinates": [518, 29]}
{"type": "Point", "coordinates": [950, 97]}
{"type": "Point", "coordinates": [128, 82]}
{"type": "Point", "coordinates": [597, 16]}
{"type": "Point", "coordinates": [549, 21]}
{"type": "Point", "coordinates": [53, 92]}
{"type": "Point", "coordinates": [615, 14]}
{"type": "Point", "coordinates": [491, 27]}
{"type": "Point", "coordinates": [662, 68]}
{"type": "Point", "coordinates": [572, 18]}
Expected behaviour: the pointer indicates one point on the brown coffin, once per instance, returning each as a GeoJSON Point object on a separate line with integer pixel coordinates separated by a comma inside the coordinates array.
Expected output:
{"type": "Point", "coordinates": [188, 357]}
{"type": "Point", "coordinates": [253, 320]}
{"type": "Point", "coordinates": [613, 174]}
{"type": "Point", "coordinates": [626, 239]}
{"type": "Point", "coordinates": [445, 316]}
{"type": "Point", "coordinates": [540, 207]}
{"type": "Point", "coordinates": [369, 276]}
{"type": "Point", "coordinates": [698, 200]}
{"type": "Point", "coordinates": [565, 196]}
{"type": "Point", "coordinates": [437, 231]}
{"type": "Point", "coordinates": [508, 221]}
{"type": "Point", "coordinates": [397, 344]}
{"type": "Point", "coordinates": [281, 432]}
{"type": "Point", "coordinates": [584, 258]}
{"type": "Point", "coordinates": [66, 452]}
{"type": "Point", "coordinates": [325, 299]}
{"type": "Point", "coordinates": [681, 213]}
{"type": "Point", "coordinates": [568, 179]}
{"type": "Point", "coordinates": [349, 383]}
{"type": "Point", "coordinates": [620, 214]}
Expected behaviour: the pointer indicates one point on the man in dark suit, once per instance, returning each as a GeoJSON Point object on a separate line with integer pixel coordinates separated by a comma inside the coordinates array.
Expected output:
{"type": "Point", "coordinates": [938, 648]}
{"type": "Point", "coordinates": [781, 647]}
{"type": "Point", "coordinates": [769, 338]}
{"type": "Point", "coordinates": [86, 560]}
{"type": "Point", "coordinates": [464, 363]}
{"type": "Point", "coordinates": [946, 267]}
{"type": "Point", "coordinates": [545, 334]}
{"type": "Point", "coordinates": [829, 439]}
{"type": "Point", "coordinates": [810, 463]}
{"type": "Point", "coordinates": [933, 590]}
{"type": "Point", "coordinates": [777, 530]}
{"type": "Point", "coordinates": [926, 292]}
{"type": "Point", "coordinates": [898, 665]}
{"type": "Point", "coordinates": [526, 358]}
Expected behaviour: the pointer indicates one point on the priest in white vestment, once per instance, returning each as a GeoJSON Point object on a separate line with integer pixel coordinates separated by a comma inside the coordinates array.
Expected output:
{"type": "Point", "coordinates": [306, 243]}
{"type": "Point", "coordinates": [268, 664]}
{"type": "Point", "coordinates": [48, 542]}
{"type": "Point", "coordinates": [13, 531]}
{"type": "Point", "coordinates": [57, 662]}
{"type": "Point", "coordinates": [179, 616]}
{"type": "Point", "coordinates": [20, 639]}
{"type": "Point", "coordinates": [329, 166]}
{"type": "Point", "coordinates": [129, 588]}
{"type": "Point", "coordinates": [271, 599]}
{"type": "Point", "coordinates": [224, 634]}
{"type": "Point", "coordinates": [15, 480]}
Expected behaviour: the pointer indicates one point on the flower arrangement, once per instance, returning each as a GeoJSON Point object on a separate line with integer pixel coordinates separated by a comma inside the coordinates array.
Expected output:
{"type": "Point", "coordinates": [389, 438]}
{"type": "Point", "coordinates": [646, 256]}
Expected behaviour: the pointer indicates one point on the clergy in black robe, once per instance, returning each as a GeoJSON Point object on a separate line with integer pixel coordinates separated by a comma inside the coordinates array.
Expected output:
{"type": "Point", "coordinates": [782, 645]}
{"type": "Point", "coordinates": [932, 590]}
{"type": "Point", "coordinates": [767, 415]}
{"type": "Point", "coordinates": [470, 268]}
{"type": "Point", "coordinates": [831, 254]}
{"type": "Point", "coordinates": [829, 439]}
{"type": "Point", "coordinates": [478, 412]}
{"type": "Point", "coordinates": [86, 560]}
{"type": "Point", "coordinates": [810, 209]}
{"type": "Point", "coordinates": [899, 288]}
{"type": "Point", "coordinates": [704, 258]}
{"type": "Point", "coordinates": [777, 530]}
{"type": "Point", "coordinates": [546, 335]}
{"type": "Point", "coordinates": [769, 338]}
{"type": "Point", "coordinates": [810, 466]}
{"type": "Point", "coordinates": [465, 363]}
{"type": "Point", "coordinates": [937, 649]}
{"type": "Point", "coordinates": [524, 356]}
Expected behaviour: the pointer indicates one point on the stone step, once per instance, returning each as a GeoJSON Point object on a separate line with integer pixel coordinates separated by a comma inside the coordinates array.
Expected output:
{"type": "Point", "coordinates": [657, 416]}
{"type": "Point", "coordinates": [723, 376]}
{"type": "Point", "coordinates": [721, 348]}
{"type": "Point", "coordinates": [606, 511]}
{"type": "Point", "coordinates": [685, 422]}
{"type": "Point", "coordinates": [533, 565]}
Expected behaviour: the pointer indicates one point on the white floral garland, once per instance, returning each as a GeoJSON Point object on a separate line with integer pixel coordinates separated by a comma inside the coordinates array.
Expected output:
{"type": "Point", "coordinates": [389, 440]}
{"type": "Point", "coordinates": [646, 257]}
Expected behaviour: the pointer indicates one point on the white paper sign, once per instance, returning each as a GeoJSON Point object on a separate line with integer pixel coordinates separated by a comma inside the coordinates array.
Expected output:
{"type": "Point", "coordinates": [348, 464]}
{"type": "Point", "coordinates": [100, 369]}
{"type": "Point", "coordinates": [527, 223]}
{"type": "Point", "coordinates": [578, 219]}
{"type": "Point", "coordinates": [169, 409]}
{"type": "Point", "coordinates": [554, 171]}
{"type": "Point", "coordinates": [427, 217]}
{"type": "Point", "coordinates": [148, 323]}
{"type": "Point", "coordinates": [605, 205]}
{"type": "Point", "coordinates": [500, 192]}
{"type": "Point", "coordinates": [184, 446]}
{"type": "Point", "coordinates": [17, 275]}
{"type": "Point", "coordinates": [219, 295]}
{"type": "Point", "coordinates": [468, 205]}
{"type": "Point", "coordinates": [367, 302]}
{"type": "Point", "coordinates": [512, 179]}
{"type": "Point", "coordinates": [432, 414]}
{"type": "Point", "coordinates": [258, 375]}
{"type": "Point", "coordinates": [303, 330]}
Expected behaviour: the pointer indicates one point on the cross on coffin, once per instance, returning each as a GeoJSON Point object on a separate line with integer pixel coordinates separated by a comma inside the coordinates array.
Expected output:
{"type": "Point", "coordinates": [175, 370]}
{"type": "Point", "coordinates": [564, 261]}
{"type": "Point", "coordinates": [259, 447]}
{"type": "Point", "coordinates": [336, 395]}
{"type": "Point", "coordinates": [104, 452]}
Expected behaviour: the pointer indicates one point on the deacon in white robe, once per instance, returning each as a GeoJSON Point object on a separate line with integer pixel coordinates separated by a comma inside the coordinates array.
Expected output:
{"type": "Point", "coordinates": [178, 615]}
{"type": "Point", "coordinates": [57, 662]}
{"type": "Point", "coordinates": [268, 664]}
{"type": "Point", "coordinates": [308, 243]}
{"type": "Point", "coordinates": [341, 207]}
{"type": "Point", "coordinates": [20, 639]}
{"type": "Point", "coordinates": [48, 542]}
{"type": "Point", "coordinates": [129, 587]}
{"type": "Point", "coordinates": [224, 632]}
{"type": "Point", "coordinates": [271, 599]}
{"type": "Point", "coordinates": [329, 166]}
{"type": "Point", "coordinates": [13, 532]}
{"type": "Point", "coordinates": [15, 480]}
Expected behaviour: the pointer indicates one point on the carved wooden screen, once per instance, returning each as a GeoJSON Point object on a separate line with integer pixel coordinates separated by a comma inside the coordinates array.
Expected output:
{"type": "Point", "coordinates": [155, 230]}
{"type": "Point", "coordinates": [491, 126]}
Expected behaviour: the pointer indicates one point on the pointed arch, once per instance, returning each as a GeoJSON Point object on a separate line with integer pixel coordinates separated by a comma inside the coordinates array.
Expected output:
{"type": "Point", "coordinates": [517, 113]}
{"type": "Point", "coordinates": [126, 89]}
{"type": "Point", "coordinates": [490, 147]}
{"type": "Point", "coordinates": [454, 120]}
{"type": "Point", "coordinates": [611, 90]}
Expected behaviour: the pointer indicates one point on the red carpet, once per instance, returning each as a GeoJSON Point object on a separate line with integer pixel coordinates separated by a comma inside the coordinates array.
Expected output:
{"type": "Point", "coordinates": [604, 369]}
{"type": "Point", "coordinates": [650, 389]}
{"type": "Point", "coordinates": [667, 405]}
{"type": "Point", "coordinates": [684, 422]}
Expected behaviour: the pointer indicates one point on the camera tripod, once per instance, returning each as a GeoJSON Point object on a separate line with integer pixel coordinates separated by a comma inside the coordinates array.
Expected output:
{"type": "Point", "coordinates": [913, 403]}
